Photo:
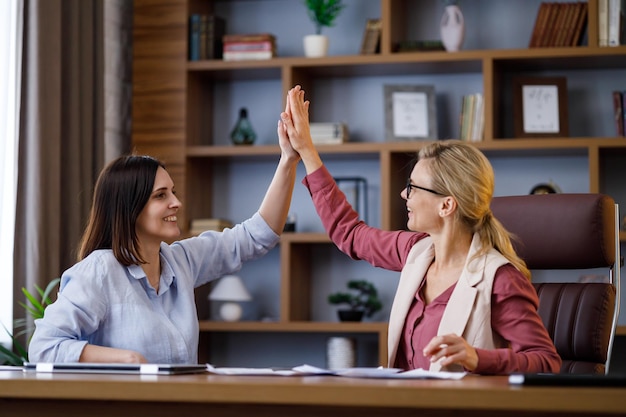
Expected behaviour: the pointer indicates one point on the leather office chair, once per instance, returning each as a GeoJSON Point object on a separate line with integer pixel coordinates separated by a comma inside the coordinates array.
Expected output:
{"type": "Point", "coordinates": [567, 232]}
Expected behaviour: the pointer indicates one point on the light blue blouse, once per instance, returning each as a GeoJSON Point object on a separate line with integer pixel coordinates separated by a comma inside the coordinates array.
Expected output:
{"type": "Point", "coordinates": [102, 302]}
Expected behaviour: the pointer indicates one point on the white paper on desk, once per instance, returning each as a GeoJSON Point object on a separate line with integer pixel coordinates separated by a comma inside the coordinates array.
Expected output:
{"type": "Point", "coordinates": [378, 372]}
{"type": "Point", "coordinates": [305, 370]}
{"type": "Point", "coordinates": [250, 371]}
{"type": "Point", "coordinates": [424, 374]}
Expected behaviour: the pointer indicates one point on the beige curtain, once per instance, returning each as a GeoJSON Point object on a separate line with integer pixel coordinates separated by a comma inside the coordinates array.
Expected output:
{"type": "Point", "coordinates": [61, 143]}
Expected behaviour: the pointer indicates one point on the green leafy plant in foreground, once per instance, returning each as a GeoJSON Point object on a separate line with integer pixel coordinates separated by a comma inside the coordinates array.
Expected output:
{"type": "Point", "coordinates": [35, 308]}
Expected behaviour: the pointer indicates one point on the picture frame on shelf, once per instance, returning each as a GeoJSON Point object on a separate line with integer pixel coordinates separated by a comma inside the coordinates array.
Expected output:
{"type": "Point", "coordinates": [540, 107]}
{"type": "Point", "coordinates": [410, 112]}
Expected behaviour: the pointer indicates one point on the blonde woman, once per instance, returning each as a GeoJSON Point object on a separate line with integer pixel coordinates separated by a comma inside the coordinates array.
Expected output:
{"type": "Point", "coordinates": [464, 300]}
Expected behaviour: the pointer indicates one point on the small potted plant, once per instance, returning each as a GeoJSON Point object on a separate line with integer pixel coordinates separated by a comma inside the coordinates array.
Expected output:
{"type": "Point", "coordinates": [362, 301]}
{"type": "Point", "coordinates": [322, 13]}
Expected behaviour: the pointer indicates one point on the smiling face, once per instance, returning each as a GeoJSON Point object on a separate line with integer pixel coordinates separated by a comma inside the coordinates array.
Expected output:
{"type": "Point", "coordinates": [422, 205]}
{"type": "Point", "coordinates": [157, 221]}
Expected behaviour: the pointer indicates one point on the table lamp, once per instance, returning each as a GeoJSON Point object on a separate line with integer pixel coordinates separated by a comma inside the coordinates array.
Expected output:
{"type": "Point", "coordinates": [231, 291]}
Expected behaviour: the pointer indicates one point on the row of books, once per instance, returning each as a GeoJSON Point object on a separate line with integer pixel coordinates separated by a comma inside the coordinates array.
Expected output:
{"type": "Point", "coordinates": [205, 36]}
{"type": "Point", "coordinates": [619, 107]}
{"type": "Point", "coordinates": [249, 46]}
{"type": "Point", "coordinates": [472, 118]}
{"type": "Point", "coordinates": [559, 24]}
{"type": "Point", "coordinates": [611, 30]}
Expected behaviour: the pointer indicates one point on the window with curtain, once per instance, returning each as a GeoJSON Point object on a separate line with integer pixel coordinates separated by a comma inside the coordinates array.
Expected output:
{"type": "Point", "coordinates": [10, 56]}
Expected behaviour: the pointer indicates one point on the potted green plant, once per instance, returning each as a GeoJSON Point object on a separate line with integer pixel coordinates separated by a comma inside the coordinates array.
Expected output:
{"type": "Point", "coordinates": [35, 308]}
{"type": "Point", "coordinates": [322, 13]}
{"type": "Point", "coordinates": [362, 301]}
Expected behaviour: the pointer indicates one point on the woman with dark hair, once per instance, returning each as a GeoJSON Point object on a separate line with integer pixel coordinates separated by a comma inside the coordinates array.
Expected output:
{"type": "Point", "coordinates": [130, 297]}
{"type": "Point", "coordinates": [464, 300]}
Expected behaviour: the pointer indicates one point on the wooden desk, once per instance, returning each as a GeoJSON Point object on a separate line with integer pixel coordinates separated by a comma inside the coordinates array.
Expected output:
{"type": "Point", "coordinates": [31, 394]}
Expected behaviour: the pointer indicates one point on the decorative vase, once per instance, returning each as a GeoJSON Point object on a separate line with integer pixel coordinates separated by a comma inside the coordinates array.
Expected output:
{"type": "Point", "coordinates": [350, 315]}
{"type": "Point", "coordinates": [242, 133]}
{"type": "Point", "coordinates": [315, 46]}
{"type": "Point", "coordinates": [340, 352]}
{"type": "Point", "coordinates": [452, 28]}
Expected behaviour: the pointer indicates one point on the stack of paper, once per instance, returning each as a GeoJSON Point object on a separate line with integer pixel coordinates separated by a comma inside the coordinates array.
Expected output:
{"type": "Point", "coordinates": [366, 372]}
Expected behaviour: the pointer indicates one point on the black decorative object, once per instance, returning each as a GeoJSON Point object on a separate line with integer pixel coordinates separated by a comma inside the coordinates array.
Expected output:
{"type": "Point", "coordinates": [242, 133]}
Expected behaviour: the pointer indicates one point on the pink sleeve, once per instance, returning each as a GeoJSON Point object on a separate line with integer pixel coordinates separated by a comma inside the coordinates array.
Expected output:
{"type": "Point", "coordinates": [514, 317]}
{"type": "Point", "coordinates": [384, 249]}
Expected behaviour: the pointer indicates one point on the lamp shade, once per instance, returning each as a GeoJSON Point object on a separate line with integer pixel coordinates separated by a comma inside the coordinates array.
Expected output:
{"type": "Point", "coordinates": [230, 288]}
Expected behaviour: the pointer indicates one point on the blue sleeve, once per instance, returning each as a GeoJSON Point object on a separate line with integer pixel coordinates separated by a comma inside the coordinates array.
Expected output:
{"type": "Point", "coordinates": [212, 255]}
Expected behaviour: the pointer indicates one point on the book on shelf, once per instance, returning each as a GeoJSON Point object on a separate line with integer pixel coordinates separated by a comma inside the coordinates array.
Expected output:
{"type": "Point", "coordinates": [559, 24]}
{"type": "Point", "coordinates": [616, 22]}
{"type": "Point", "coordinates": [472, 118]}
{"type": "Point", "coordinates": [551, 18]}
{"type": "Point", "coordinates": [619, 100]}
{"type": "Point", "coordinates": [205, 36]}
{"type": "Point", "coordinates": [248, 37]}
{"type": "Point", "coordinates": [567, 26]}
{"type": "Point", "coordinates": [538, 26]}
{"type": "Point", "coordinates": [248, 46]}
{"type": "Point", "coordinates": [194, 37]}
{"type": "Point", "coordinates": [581, 24]}
{"type": "Point", "coordinates": [603, 22]}
{"type": "Point", "coordinates": [329, 133]}
{"type": "Point", "coordinates": [371, 37]}
{"type": "Point", "coordinates": [244, 55]}
{"type": "Point", "coordinates": [198, 226]}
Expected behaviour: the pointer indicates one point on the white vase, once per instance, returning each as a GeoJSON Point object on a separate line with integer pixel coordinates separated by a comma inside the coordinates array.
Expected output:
{"type": "Point", "coordinates": [315, 46]}
{"type": "Point", "coordinates": [452, 28]}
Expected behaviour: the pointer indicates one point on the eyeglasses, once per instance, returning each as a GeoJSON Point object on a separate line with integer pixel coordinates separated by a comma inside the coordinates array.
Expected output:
{"type": "Point", "coordinates": [410, 186]}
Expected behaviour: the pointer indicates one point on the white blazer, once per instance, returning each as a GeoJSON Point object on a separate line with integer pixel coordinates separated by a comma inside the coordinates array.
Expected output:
{"type": "Point", "coordinates": [468, 312]}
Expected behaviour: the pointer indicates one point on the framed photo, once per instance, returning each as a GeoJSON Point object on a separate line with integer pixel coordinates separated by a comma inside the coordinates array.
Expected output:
{"type": "Point", "coordinates": [540, 107]}
{"type": "Point", "coordinates": [410, 112]}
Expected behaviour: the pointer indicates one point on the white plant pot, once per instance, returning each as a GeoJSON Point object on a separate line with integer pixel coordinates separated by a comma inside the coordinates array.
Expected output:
{"type": "Point", "coordinates": [315, 46]}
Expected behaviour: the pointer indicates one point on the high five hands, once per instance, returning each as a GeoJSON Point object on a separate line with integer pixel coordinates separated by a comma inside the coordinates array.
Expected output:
{"type": "Point", "coordinates": [294, 128]}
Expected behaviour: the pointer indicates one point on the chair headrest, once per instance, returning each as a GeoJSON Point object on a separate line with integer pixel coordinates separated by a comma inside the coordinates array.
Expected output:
{"type": "Point", "coordinates": [560, 231]}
